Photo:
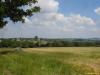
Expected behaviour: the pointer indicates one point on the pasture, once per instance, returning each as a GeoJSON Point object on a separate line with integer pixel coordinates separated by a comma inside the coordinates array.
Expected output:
{"type": "Point", "coordinates": [50, 61]}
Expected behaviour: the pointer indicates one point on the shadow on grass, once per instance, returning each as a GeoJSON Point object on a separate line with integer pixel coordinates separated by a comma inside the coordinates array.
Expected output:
{"type": "Point", "coordinates": [6, 52]}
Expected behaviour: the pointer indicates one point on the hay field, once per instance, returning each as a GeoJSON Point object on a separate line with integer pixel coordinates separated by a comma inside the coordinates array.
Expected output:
{"type": "Point", "coordinates": [51, 61]}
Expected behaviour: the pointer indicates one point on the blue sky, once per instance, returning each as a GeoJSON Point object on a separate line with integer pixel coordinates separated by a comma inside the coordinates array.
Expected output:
{"type": "Point", "coordinates": [59, 19]}
{"type": "Point", "coordinates": [84, 7]}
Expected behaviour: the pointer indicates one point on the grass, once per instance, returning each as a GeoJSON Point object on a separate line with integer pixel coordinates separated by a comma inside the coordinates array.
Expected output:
{"type": "Point", "coordinates": [50, 61]}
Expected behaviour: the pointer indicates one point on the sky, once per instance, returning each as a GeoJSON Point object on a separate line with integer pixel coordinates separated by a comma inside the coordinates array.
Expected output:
{"type": "Point", "coordinates": [58, 19]}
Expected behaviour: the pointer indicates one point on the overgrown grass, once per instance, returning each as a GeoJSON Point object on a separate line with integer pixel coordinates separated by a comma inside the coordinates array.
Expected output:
{"type": "Point", "coordinates": [49, 63]}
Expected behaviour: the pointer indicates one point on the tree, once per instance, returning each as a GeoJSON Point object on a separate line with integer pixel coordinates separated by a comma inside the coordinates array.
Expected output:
{"type": "Point", "coordinates": [11, 9]}
{"type": "Point", "coordinates": [36, 38]}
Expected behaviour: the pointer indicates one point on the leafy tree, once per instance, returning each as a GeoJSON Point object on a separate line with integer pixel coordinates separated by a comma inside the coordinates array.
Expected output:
{"type": "Point", "coordinates": [11, 9]}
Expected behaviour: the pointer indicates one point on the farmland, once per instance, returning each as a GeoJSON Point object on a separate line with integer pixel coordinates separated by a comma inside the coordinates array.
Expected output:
{"type": "Point", "coordinates": [50, 61]}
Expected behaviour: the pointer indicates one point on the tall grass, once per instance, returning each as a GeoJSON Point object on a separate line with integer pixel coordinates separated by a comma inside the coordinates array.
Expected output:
{"type": "Point", "coordinates": [45, 63]}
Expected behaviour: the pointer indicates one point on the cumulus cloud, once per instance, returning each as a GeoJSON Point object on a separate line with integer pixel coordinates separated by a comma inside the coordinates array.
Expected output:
{"type": "Point", "coordinates": [97, 11]}
{"type": "Point", "coordinates": [48, 6]}
{"type": "Point", "coordinates": [50, 17]}
{"type": "Point", "coordinates": [79, 20]}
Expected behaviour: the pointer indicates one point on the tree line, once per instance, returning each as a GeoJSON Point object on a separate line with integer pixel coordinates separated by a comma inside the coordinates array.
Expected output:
{"type": "Point", "coordinates": [40, 42]}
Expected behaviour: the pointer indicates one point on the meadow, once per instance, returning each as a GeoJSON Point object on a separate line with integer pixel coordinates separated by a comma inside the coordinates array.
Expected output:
{"type": "Point", "coordinates": [50, 61]}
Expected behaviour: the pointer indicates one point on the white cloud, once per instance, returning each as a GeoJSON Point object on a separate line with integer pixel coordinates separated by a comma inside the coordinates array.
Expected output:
{"type": "Point", "coordinates": [48, 5]}
{"type": "Point", "coordinates": [59, 21]}
{"type": "Point", "coordinates": [97, 11]}
{"type": "Point", "coordinates": [49, 16]}
{"type": "Point", "coordinates": [79, 20]}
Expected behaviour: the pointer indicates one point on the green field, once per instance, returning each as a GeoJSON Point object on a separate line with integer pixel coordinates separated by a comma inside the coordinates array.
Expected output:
{"type": "Point", "coordinates": [50, 61]}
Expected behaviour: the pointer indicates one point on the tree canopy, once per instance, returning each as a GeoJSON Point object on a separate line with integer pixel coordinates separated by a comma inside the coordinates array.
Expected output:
{"type": "Point", "coordinates": [11, 9]}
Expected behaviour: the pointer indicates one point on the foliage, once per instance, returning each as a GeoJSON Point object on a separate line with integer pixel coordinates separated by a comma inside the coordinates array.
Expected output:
{"type": "Point", "coordinates": [40, 42]}
{"type": "Point", "coordinates": [11, 9]}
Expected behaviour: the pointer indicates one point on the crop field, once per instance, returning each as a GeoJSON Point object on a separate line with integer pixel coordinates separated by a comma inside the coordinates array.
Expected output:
{"type": "Point", "coordinates": [50, 61]}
